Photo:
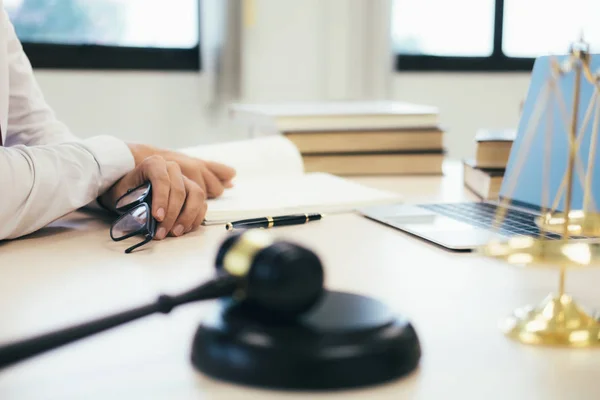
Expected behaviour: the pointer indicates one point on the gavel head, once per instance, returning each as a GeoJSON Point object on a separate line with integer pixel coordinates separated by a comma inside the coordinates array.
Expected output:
{"type": "Point", "coordinates": [276, 276]}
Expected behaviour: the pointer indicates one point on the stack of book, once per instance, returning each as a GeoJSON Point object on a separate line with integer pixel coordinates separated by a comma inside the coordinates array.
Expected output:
{"type": "Point", "coordinates": [354, 138]}
{"type": "Point", "coordinates": [483, 175]}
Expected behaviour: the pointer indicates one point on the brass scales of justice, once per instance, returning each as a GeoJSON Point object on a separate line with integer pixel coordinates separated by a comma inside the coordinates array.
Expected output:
{"type": "Point", "coordinates": [558, 320]}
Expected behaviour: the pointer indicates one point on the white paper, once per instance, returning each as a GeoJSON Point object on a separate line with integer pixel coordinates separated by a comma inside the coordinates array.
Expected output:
{"type": "Point", "coordinates": [271, 181]}
{"type": "Point", "coordinates": [254, 158]}
{"type": "Point", "coordinates": [309, 193]}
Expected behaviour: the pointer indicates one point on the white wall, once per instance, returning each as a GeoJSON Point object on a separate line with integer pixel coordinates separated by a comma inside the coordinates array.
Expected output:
{"type": "Point", "coordinates": [169, 109]}
{"type": "Point", "coordinates": [314, 50]}
{"type": "Point", "coordinates": [290, 50]}
{"type": "Point", "coordinates": [336, 49]}
{"type": "Point", "coordinates": [467, 102]}
{"type": "Point", "coordinates": [165, 109]}
{"type": "Point", "coordinates": [283, 51]}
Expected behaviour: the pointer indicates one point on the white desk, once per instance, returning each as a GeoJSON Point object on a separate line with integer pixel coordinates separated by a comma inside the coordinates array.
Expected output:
{"type": "Point", "coordinates": [72, 272]}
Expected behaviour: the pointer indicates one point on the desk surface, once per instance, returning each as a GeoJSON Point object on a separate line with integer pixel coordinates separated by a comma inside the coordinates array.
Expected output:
{"type": "Point", "coordinates": [71, 272]}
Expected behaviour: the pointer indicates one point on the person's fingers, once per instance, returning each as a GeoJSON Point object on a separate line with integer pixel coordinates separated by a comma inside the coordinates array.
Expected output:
{"type": "Point", "coordinates": [195, 202]}
{"type": "Point", "coordinates": [196, 175]}
{"type": "Point", "coordinates": [177, 197]}
{"type": "Point", "coordinates": [154, 169]}
{"type": "Point", "coordinates": [200, 218]}
{"type": "Point", "coordinates": [214, 187]}
{"type": "Point", "coordinates": [224, 172]}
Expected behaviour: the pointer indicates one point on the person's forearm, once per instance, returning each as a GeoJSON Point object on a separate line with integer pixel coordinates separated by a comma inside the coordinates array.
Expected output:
{"type": "Point", "coordinates": [40, 184]}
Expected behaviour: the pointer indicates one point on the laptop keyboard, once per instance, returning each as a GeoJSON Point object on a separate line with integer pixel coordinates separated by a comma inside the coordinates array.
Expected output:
{"type": "Point", "coordinates": [484, 215]}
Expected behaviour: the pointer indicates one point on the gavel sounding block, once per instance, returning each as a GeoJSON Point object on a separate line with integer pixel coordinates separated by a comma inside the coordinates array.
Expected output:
{"type": "Point", "coordinates": [345, 341]}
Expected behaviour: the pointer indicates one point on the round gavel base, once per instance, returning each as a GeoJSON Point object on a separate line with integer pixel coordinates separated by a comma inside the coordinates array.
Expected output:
{"type": "Point", "coordinates": [346, 341]}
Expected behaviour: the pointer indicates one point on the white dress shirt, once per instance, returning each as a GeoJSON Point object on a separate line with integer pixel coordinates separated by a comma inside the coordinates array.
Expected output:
{"type": "Point", "coordinates": [45, 171]}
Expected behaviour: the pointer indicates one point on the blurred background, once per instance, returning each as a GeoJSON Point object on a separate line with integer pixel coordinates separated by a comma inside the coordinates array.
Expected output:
{"type": "Point", "coordinates": [163, 72]}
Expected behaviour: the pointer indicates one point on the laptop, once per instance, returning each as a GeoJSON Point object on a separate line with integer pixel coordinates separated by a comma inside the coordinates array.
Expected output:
{"type": "Point", "coordinates": [469, 225]}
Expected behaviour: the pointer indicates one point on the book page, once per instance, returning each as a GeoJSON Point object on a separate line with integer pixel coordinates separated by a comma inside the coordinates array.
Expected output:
{"type": "Point", "coordinates": [309, 193]}
{"type": "Point", "coordinates": [333, 108]}
{"type": "Point", "coordinates": [271, 181]}
{"type": "Point", "coordinates": [332, 115]}
{"type": "Point", "coordinates": [263, 157]}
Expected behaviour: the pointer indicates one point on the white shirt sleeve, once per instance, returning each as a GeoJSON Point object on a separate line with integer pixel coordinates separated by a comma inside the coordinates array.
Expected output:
{"type": "Point", "coordinates": [31, 121]}
{"type": "Point", "coordinates": [45, 171]}
{"type": "Point", "coordinates": [43, 183]}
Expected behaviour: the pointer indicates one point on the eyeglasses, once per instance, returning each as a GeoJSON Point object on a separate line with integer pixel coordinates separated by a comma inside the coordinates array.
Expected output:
{"type": "Point", "coordinates": [135, 208]}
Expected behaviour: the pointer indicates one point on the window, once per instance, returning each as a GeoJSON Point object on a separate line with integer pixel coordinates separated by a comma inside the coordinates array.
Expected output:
{"type": "Point", "coordinates": [562, 23]}
{"type": "Point", "coordinates": [108, 34]}
{"type": "Point", "coordinates": [488, 35]}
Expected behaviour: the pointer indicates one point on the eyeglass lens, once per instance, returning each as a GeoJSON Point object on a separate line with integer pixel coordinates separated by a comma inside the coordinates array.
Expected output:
{"type": "Point", "coordinates": [132, 197]}
{"type": "Point", "coordinates": [134, 221]}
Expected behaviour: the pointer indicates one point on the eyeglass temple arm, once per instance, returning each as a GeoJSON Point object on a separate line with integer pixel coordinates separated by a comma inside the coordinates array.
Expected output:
{"type": "Point", "coordinates": [135, 246]}
{"type": "Point", "coordinates": [149, 235]}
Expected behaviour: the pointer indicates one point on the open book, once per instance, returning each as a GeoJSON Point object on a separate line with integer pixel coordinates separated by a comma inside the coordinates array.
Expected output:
{"type": "Point", "coordinates": [271, 181]}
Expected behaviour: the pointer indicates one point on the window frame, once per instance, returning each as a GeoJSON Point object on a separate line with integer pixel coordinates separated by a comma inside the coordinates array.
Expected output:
{"type": "Point", "coordinates": [59, 56]}
{"type": "Point", "coordinates": [98, 57]}
{"type": "Point", "coordinates": [496, 62]}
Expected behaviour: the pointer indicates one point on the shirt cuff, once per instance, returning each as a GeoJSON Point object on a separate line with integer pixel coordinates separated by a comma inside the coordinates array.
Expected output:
{"type": "Point", "coordinates": [113, 157]}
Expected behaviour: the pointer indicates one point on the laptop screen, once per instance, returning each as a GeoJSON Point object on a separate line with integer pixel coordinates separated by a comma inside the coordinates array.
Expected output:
{"type": "Point", "coordinates": [539, 155]}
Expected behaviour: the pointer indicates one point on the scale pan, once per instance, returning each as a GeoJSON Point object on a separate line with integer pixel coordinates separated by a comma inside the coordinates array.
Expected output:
{"type": "Point", "coordinates": [528, 251]}
{"type": "Point", "coordinates": [581, 223]}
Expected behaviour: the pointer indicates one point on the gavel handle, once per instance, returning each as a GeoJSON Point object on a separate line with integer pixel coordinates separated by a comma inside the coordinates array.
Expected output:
{"type": "Point", "coordinates": [21, 350]}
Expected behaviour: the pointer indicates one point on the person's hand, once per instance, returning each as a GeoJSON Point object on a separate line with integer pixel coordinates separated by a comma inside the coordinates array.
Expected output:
{"type": "Point", "coordinates": [212, 177]}
{"type": "Point", "coordinates": [178, 203]}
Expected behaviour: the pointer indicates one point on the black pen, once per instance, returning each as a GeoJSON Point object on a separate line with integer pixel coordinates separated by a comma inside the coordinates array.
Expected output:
{"type": "Point", "coordinates": [269, 222]}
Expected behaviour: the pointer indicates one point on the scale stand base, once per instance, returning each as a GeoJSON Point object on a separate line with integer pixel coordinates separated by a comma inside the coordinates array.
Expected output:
{"type": "Point", "coordinates": [557, 321]}
{"type": "Point", "coordinates": [346, 341]}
